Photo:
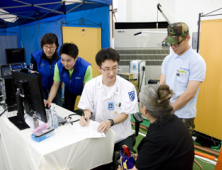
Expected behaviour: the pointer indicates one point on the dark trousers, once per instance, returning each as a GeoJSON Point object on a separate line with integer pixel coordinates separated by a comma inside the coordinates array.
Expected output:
{"type": "Point", "coordinates": [70, 100]}
{"type": "Point", "coordinates": [128, 141]}
{"type": "Point", "coordinates": [58, 98]}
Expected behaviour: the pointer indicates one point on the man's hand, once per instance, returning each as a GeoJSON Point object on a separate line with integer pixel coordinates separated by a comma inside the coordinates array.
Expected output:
{"type": "Point", "coordinates": [83, 121]}
{"type": "Point", "coordinates": [104, 126]}
{"type": "Point", "coordinates": [47, 103]}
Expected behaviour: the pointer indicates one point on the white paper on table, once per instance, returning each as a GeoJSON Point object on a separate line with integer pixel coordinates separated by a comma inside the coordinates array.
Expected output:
{"type": "Point", "coordinates": [88, 131]}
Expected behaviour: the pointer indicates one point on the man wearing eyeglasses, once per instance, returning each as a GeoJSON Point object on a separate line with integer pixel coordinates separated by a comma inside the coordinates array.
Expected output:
{"type": "Point", "coordinates": [43, 62]}
{"type": "Point", "coordinates": [183, 71]}
{"type": "Point", "coordinates": [73, 71]}
{"type": "Point", "coordinates": [110, 99]}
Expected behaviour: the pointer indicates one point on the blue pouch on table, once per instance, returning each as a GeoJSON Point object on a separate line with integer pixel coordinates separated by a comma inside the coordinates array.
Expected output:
{"type": "Point", "coordinates": [126, 162]}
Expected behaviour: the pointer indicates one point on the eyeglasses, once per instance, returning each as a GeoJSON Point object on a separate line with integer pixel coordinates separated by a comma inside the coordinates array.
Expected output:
{"type": "Point", "coordinates": [50, 48]}
{"type": "Point", "coordinates": [108, 70]}
{"type": "Point", "coordinates": [177, 45]}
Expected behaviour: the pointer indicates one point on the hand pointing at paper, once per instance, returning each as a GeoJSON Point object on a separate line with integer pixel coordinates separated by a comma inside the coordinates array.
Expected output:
{"type": "Point", "coordinates": [104, 126]}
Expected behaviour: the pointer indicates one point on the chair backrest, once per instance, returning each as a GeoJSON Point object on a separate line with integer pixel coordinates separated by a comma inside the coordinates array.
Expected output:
{"type": "Point", "coordinates": [151, 81]}
{"type": "Point", "coordinates": [138, 119]}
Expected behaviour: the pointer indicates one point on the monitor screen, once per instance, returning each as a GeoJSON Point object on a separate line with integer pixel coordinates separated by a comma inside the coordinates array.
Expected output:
{"type": "Point", "coordinates": [29, 95]}
{"type": "Point", "coordinates": [15, 55]}
{"type": "Point", "coordinates": [16, 66]}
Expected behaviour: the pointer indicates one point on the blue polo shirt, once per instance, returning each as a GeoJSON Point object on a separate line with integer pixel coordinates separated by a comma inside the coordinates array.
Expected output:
{"type": "Point", "coordinates": [179, 70]}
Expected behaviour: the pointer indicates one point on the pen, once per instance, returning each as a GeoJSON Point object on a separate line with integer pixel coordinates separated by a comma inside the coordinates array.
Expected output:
{"type": "Point", "coordinates": [83, 114]}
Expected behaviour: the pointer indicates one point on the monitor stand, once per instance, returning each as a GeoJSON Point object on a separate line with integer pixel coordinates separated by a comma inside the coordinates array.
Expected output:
{"type": "Point", "coordinates": [19, 124]}
{"type": "Point", "coordinates": [19, 120]}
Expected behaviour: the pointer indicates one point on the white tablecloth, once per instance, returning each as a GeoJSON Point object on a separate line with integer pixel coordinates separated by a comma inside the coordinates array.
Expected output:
{"type": "Point", "coordinates": [64, 150]}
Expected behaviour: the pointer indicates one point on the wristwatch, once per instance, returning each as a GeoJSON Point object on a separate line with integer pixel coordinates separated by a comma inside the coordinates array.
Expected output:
{"type": "Point", "coordinates": [111, 121]}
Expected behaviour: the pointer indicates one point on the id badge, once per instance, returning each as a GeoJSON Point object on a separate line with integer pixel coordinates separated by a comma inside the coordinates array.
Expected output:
{"type": "Point", "coordinates": [110, 106]}
{"type": "Point", "coordinates": [181, 73]}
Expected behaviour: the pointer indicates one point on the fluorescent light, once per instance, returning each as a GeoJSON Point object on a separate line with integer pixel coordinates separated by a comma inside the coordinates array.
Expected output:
{"type": "Point", "coordinates": [68, 2]}
{"type": "Point", "coordinates": [7, 16]}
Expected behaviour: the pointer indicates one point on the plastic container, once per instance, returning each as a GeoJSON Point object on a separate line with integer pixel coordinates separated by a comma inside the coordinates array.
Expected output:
{"type": "Point", "coordinates": [35, 121]}
{"type": "Point", "coordinates": [54, 118]}
{"type": "Point", "coordinates": [49, 116]}
{"type": "Point", "coordinates": [24, 65]}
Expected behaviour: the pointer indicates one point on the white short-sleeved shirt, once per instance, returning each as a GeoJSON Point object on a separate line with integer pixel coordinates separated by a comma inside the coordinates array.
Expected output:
{"type": "Point", "coordinates": [179, 70]}
{"type": "Point", "coordinates": [122, 98]}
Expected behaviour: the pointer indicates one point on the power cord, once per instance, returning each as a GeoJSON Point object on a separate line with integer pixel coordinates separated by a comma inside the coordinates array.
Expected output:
{"type": "Point", "coordinates": [4, 107]}
{"type": "Point", "coordinates": [69, 117]}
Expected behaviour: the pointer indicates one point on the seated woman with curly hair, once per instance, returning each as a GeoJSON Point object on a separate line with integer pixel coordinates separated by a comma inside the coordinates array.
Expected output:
{"type": "Point", "coordinates": [167, 145]}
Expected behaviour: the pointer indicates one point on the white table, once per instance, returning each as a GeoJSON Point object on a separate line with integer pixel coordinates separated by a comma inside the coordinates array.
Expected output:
{"type": "Point", "coordinates": [64, 150]}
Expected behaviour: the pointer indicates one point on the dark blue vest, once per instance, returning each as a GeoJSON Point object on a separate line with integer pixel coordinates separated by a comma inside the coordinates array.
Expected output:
{"type": "Point", "coordinates": [44, 68]}
{"type": "Point", "coordinates": [75, 83]}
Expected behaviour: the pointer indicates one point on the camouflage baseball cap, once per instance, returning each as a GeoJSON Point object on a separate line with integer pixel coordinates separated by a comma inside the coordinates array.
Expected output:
{"type": "Point", "coordinates": [176, 32]}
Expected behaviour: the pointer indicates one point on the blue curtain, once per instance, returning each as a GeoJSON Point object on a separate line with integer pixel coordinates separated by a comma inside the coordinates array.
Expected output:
{"type": "Point", "coordinates": [17, 32]}
{"type": "Point", "coordinates": [32, 34]}
{"type": "Point", "coordinates": [30, 40]}
{"type": "Point", "coordinates": [6, 41]}
{"type": "Point", "coordinates": [52, 25]}
{"type": "Point", "coordinates": [29, 35]}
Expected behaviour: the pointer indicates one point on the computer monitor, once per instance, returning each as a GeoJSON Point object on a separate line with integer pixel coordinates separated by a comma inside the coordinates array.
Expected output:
{"type": "Point", "coordinates": [29, 98]}
{"type": "Point", "coordinates": [15, 55]}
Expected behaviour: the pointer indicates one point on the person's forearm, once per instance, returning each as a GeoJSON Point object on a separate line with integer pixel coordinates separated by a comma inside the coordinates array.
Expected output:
{"type": "Point", "coordinates": [182, 100]}
{"type": "Point", "coordinates": [120, 118]}
{"type": "Point", "coordinates": [134, 168]}
{"type": "Point", "coordinates": [52, 93]}
{"type": "Point", "coordinates": [32, 71]}
{"type": "Point", "coordinates": [162, 79]}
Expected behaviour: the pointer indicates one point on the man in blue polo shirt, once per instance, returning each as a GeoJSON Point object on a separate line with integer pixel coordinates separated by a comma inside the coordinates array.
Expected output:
{"type": "Point", "coordinates": [183, 71]}
{"type": "Point", "coordinates": [73, 71]}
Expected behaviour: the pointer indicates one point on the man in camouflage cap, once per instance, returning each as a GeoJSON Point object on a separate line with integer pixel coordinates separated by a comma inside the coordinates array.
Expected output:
{"type": "Point", "coordinates": [183, 71]}
{"type": "Point", "coordinates": [176, 33]}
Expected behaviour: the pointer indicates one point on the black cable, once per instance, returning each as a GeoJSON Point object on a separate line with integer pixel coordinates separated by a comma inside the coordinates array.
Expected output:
{"type": "Point", "coordinates": [74, 121]}
{"type": "Point", "coordinates": [3, 111]}
{"type": "Point", "coordinates": [69, 117]}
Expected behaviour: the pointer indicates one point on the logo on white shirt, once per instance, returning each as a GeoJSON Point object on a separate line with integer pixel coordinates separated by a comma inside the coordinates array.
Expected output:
{"type": "Point", "coordinates": [131, 95]}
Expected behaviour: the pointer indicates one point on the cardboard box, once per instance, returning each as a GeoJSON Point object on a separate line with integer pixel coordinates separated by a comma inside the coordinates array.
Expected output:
{"type": "Point", "coordinates": [135, 83]}
{"type": "Point", "coordinates": [127, 76]}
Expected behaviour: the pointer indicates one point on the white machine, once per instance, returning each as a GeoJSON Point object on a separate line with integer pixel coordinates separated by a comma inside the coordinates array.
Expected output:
{"type": "Point", "coordinates": [137, 68]}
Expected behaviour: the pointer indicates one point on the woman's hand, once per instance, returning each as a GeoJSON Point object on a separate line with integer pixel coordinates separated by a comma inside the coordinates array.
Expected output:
{"type": "Point", "coordinates": [136, 156]}
{"type": "Point", "coordinates": [120, 167]}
